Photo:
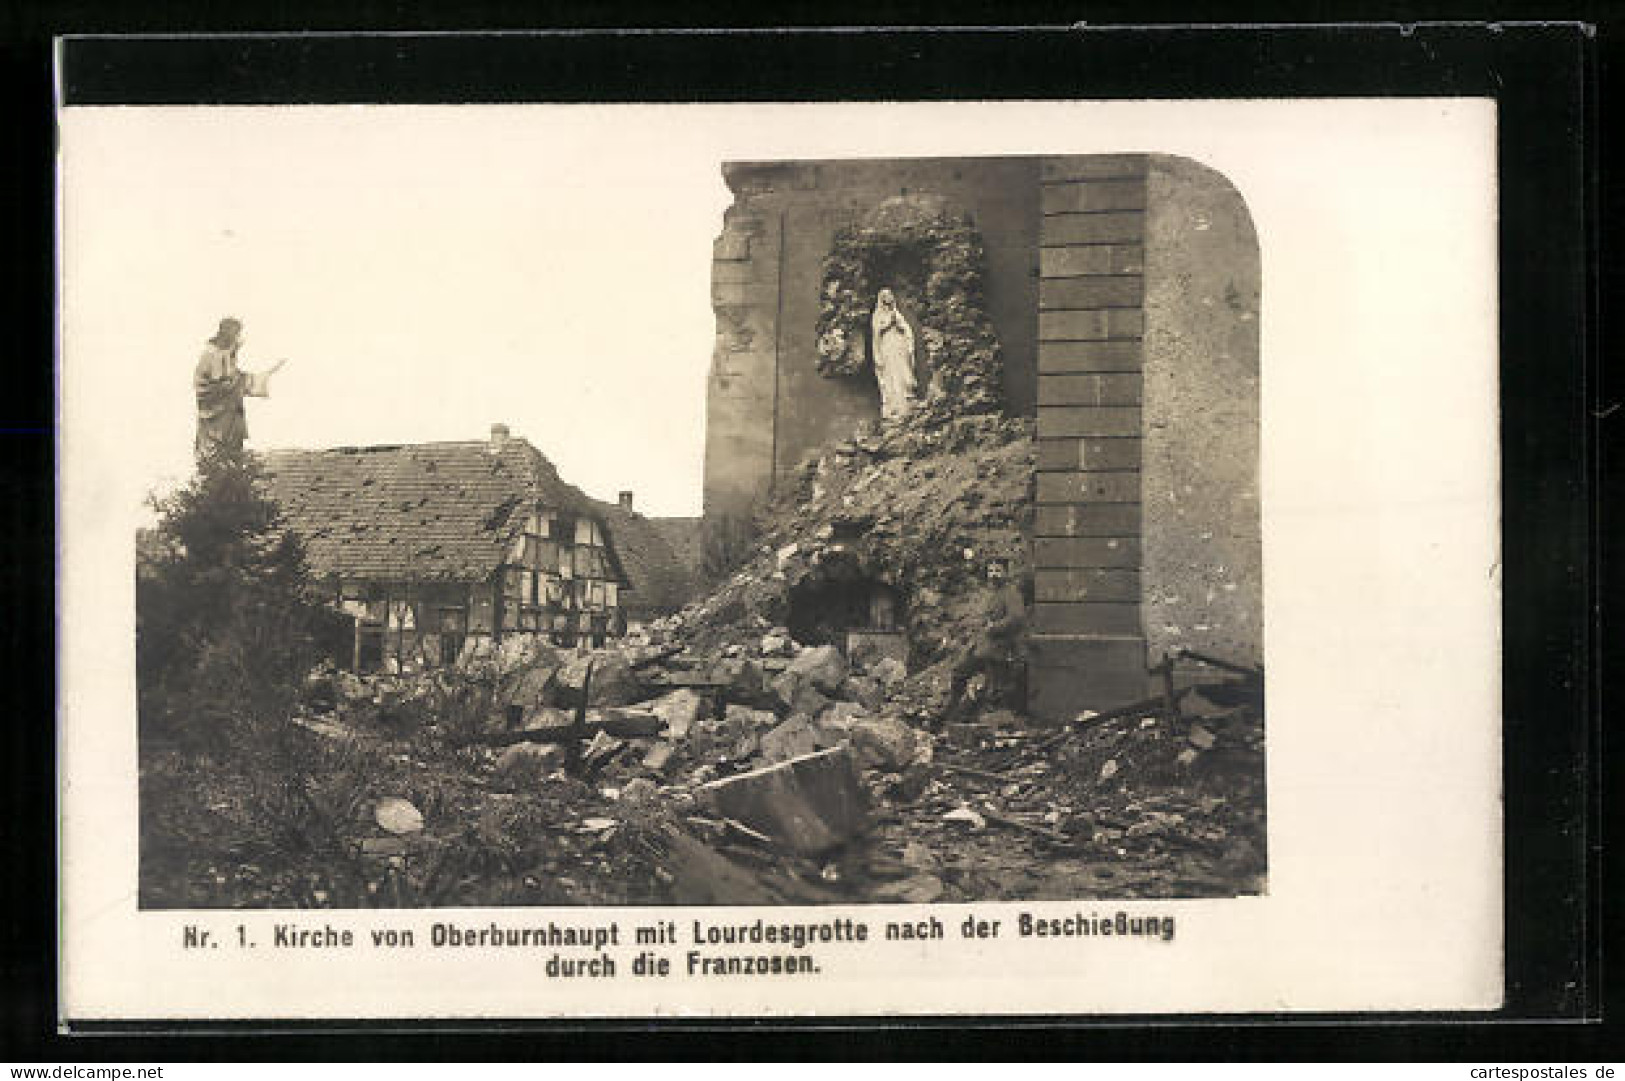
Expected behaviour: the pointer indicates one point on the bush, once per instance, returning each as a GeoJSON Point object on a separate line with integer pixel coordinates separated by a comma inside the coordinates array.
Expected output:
{"type": "Point", "coordinates": [225, 628]}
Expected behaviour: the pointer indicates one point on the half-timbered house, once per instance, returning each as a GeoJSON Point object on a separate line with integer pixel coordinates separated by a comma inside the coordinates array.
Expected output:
{"type": "Point", "coordinates": [442, 550]}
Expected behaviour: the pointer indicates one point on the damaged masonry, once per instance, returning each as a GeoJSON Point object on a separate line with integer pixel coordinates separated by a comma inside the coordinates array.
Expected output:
{"type": "Point", "coordinates": [973, 613]}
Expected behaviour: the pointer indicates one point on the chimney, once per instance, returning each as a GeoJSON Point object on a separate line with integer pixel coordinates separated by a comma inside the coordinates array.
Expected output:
{"type": "Point", "coordinates": [499, 436]}
{"type": "Point", "coordinates": [626, 502]}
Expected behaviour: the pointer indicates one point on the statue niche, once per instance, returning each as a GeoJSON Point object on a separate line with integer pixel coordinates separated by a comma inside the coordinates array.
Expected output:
{"type": "Point", "coordinates": [909, 279]}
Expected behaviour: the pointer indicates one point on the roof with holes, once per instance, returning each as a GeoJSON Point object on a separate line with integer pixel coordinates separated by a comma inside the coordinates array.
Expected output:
{"type": "Point", "coordinates": [426, 511]}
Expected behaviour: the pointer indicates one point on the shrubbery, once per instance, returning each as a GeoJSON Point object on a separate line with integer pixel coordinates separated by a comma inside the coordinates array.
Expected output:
{"type": "Point", "coordinates": [225, 627]}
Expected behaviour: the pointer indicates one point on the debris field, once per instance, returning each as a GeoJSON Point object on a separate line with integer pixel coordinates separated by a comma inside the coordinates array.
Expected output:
{"type": "Point", "coordinates": [738, 751]}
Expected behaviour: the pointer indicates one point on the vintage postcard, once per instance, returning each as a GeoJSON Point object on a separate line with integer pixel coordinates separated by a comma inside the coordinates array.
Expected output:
{"type": "Point", "coordinates": [779, 560]}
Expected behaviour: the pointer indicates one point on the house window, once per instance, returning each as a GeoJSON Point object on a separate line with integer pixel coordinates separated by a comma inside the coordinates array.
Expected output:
{"type": "Point", "coordinates": [584, 531]}
{"type": "Point", "coordinates": [453, 632]}
{"type": "Point", "coordinates": [370, 649]}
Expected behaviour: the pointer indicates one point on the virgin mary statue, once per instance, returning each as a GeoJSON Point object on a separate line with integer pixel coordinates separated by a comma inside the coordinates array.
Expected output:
{"type": "Point", "coordinates": [894, 357]}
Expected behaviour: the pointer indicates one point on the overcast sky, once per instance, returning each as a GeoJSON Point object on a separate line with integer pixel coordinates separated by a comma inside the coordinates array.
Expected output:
{"type": "Point", "coordinates": [425, 273]}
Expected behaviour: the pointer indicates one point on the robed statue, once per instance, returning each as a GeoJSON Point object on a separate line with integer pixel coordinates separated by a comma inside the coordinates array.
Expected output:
{"type": "Point", "coordinates": [894, 357]}
{"type": "Point", "coordinates": [221, 385]}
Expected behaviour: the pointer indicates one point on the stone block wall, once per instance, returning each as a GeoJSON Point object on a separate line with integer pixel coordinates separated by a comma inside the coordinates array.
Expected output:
{"type": "Point", "coordinates": [1125, 293]}
{"type": "Point", "coordinates": [744, 360]}
{"type": "Point", "coordinates": [1088, 643]}
{"type": "Point", "coordinates": [1203, 560]}
{"type": "Point", "coordinates": [768, 405]}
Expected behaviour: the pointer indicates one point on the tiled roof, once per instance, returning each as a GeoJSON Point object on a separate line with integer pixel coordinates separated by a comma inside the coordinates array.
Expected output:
{"type": "Point", "coordinates": [683, 535]}
{"type": "Point", "coordinates": [661, 576]}
{"type": "Point", "coordinates": [429, 511]}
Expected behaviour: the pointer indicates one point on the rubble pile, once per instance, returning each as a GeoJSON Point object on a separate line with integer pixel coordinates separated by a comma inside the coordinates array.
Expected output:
{"type": "Point", "coordinates": [713, 758]}
{"type": "Point", "coordinates": [920, 506]}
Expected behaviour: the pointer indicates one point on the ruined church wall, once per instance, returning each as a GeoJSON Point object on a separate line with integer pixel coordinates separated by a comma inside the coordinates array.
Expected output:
{"type": "Point", "coordinates": [1203, 561]}
{"type": "Point", "coordinates": [768, 406]}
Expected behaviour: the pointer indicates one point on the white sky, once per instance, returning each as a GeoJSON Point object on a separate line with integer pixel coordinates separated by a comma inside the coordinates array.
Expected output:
{"type": "Point", "coordinates": [428, 271]}
{"type": "Point", "coordinates": [425, 272]}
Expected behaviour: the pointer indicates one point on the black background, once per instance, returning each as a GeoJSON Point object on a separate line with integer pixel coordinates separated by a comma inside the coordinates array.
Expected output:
{"type": "Point", "coordinates": [1555, 278]}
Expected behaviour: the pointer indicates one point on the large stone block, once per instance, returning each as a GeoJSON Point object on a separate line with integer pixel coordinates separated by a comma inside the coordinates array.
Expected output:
{"type": "Point", "coordinates": [1079, 487]}
{"type": "Point", "coordinates": [1078, 259]}
{"type": "Point", "coordinates": [678, 710]}
{"type": "Point", "coordinates": [1087, 617]}
{"type": "Point", "coordinates": [1059, 421]}
{"type": "Point", "coordinates": [1109, 227]}
{"type": "Point", "coordinates": [1110, 389]}
{"type": "Point", "coordinates": [1092, 166]}
{"type": "Point", "coordinates": [822, 666]}
{"type": "Point", "coordinates": [1090, 356]}
{"type": "Point", "coordinates": [811, 803]}
{"type": "Point", "coordinates": [1091, 195]}
{"type": "Point", "coordinates": [1095, 291]}
{"type": "Point", "coordinates": [1072, 673]}
{"type": "Point", "coordinates": [1086, 552]}
{"type": "Point", "coordinates": [1087, 520]}
{"type": "Point", "coordinates": [1087, 585]}
{"type": "Point", "coordinates": [1099, 453]}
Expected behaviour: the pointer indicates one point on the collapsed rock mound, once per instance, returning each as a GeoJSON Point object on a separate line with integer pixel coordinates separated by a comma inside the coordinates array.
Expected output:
{"type": "Point", "coordinates": [897, 523]}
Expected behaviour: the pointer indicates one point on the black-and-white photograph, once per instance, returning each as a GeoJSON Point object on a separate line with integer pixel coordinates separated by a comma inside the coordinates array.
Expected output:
{"type": "Point", "coordinates": [970, 608]}
{"type": "Point", "coordinates": [649, 523]}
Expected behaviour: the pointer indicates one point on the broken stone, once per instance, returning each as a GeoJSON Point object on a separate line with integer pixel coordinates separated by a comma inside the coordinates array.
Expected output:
{"type": "Point", "coordinates": [546, 717]}
{"type": "Point", "coordinates": [544, 757]}
{"type": "Point", "coordinates": [598, 825]}
{"type": "Point", "coordinates": [775, 645]}
{"type": "Point", "coordinates": [1109, 769]}
{"type": "Point", "coordinates": [398, 815]}
{"type": "Point", "coordinates": [742, 676]}
{"type": "Point", "coordinates": [784, 555]}
{"type": "Point", "coordinates": [792, 739]}
{"type": "Point", "coordinates": [1201, 738]}
{"type": "Point", "coordinates": [639, 790]}
{"type": "Point", "coordinates": [797, 694]}
{"type": "Point", "coordinates": [889, 672]}
{"type": "Point", "coordinates": [627, 723]}
{"type": "Point", "coordinates": [658, 757]}
{"type": "Point", "coordinates": [966, 735]}
{"type": "Point", "coordinates": [918, 890]}
{"type": "Point", "coordinates": [678, 710]}
{"type": "Point", "coordinates": [383, 847]}
{"type": "Point", "coordinates": [964, 816]}
{"type": "Point", "coordinates": [1187, 757]}
{"type": "Point", "coordinates": [810, 804]}
{"type": "Point", "coordinates": [745, 746]}
{"type": "Point", "coordinates": [601, 749]}
{"type": "Point", "coordinates": [882, 742]}
{"type": "Point", "coordinates": [533, 686]}
{"type": "Point", "coordinates": [840, 715]}
{"type": "Point", "coordinates": [350, 687]}
{"type": "Point", "coordinates": [614, 683]}
{"type": "Point", "coordinates": [920, 858]}
{"type": "Point", "coordinates": [865, 690]}
{"type": "Point", "coordinates": [740, 719]}
{"type": "Point", "coordinates": [868, 648]}
{"type": "Point", "coordinates": [822, 666]}
{"type": "Point", "coordinates": [1001, 719]}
